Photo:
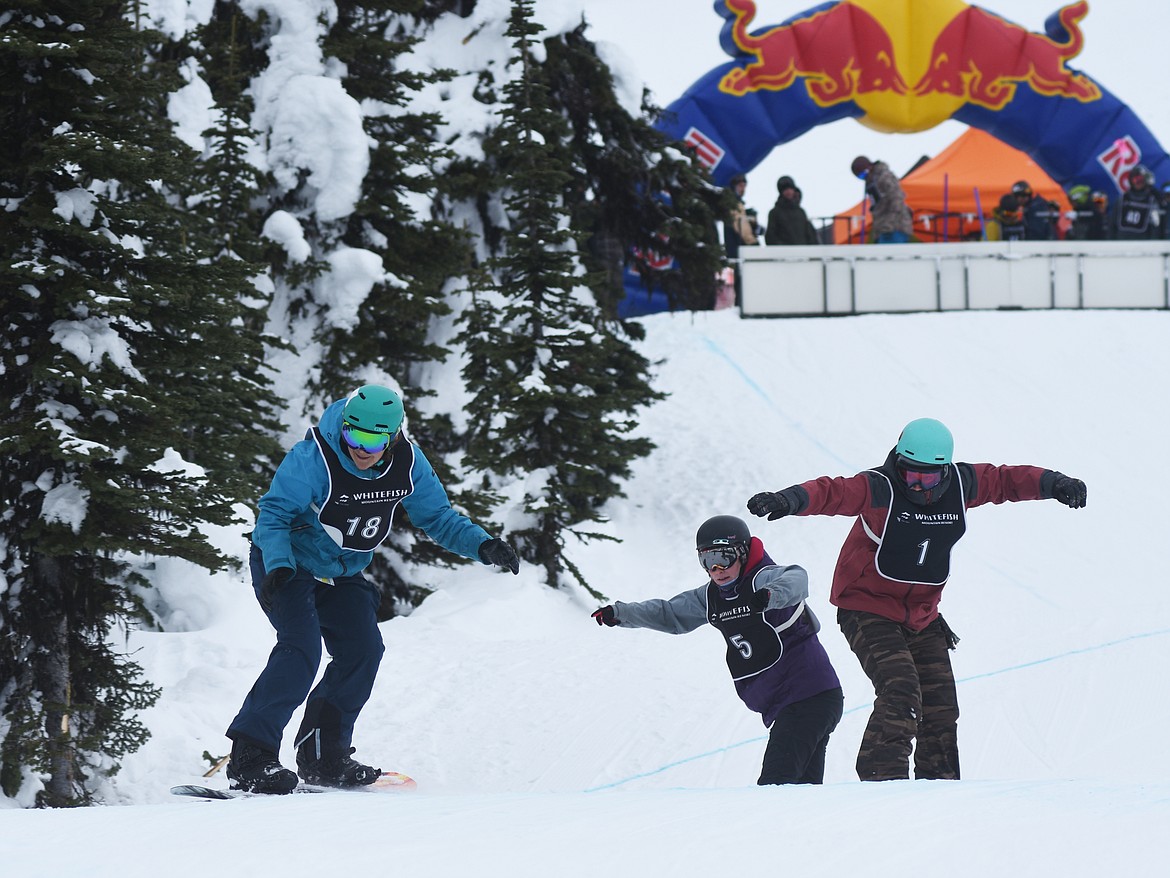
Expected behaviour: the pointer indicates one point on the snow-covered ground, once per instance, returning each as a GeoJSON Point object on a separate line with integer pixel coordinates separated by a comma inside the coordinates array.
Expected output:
{"type": "Point", "coordinates": [546, 746]}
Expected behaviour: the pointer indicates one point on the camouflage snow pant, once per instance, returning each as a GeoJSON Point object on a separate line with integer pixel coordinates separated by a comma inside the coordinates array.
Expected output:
{"type": "Point", "coordinates": [915, 698]}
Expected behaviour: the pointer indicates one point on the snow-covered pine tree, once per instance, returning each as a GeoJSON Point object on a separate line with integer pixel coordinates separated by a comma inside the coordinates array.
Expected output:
{"type": "Point", "coordinates": [627, 166]}
{"type": "Point", "coordinates": [555, 386]}
{"type": "Point", "coordinates": [419, 252]}
{"type": "Point", "coordinates": [225, 218]}
{"type": "Point", "coordinates": [110, 316]}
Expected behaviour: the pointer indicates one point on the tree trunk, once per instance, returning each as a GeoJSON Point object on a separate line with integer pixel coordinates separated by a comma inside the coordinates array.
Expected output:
{"type": "Point", "coordinates": [53, 672]}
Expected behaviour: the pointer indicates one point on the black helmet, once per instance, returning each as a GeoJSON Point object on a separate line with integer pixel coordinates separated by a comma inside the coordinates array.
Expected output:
{"type": "Point", "coordinates": [725, 532]}
{"type": "Point", "coordinates": [1140, 172]}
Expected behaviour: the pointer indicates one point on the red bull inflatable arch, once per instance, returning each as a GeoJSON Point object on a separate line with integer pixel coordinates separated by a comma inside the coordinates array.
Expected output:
{"type": "Point", "coordinates": [906, 66]}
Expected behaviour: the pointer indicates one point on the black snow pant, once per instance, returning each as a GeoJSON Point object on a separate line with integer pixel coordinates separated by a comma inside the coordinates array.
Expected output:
{"type": "Point", "coordinates": [799, 736]}
{"type": "Point", "coordinates": [915, 698]}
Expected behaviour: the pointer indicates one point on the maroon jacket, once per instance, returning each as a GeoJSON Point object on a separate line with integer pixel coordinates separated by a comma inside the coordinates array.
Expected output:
{"type": "Point", "coordinates": [857, 584]}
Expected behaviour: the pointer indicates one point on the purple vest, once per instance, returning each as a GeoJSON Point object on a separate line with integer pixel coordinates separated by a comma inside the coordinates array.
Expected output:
{"type": "Point", "coordinates": [796, 668]}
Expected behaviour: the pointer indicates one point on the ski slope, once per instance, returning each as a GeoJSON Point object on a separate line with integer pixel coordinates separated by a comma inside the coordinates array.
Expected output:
{"type": "Point", "coordinates": [546, 746]}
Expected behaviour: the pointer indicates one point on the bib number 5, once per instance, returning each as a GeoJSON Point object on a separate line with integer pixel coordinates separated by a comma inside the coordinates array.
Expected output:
{"type": "Point", "coordinates": [745, 648]}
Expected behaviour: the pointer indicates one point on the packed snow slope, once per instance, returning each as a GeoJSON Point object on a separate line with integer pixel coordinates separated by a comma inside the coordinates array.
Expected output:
{"type": "Point", "coordinates": [546, 746]}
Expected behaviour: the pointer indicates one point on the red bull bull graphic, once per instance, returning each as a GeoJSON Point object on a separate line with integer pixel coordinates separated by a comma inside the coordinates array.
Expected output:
{"type": "Point", "coordinates": [832, 69]}
{"type": "Point", "coordinates": [908, 65]}
{"type": "Point", "coordinates": [982, 57]}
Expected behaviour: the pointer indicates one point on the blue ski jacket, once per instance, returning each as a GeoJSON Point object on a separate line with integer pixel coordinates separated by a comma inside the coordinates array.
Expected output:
{"type": "Point", "coordinates": [289, 534]}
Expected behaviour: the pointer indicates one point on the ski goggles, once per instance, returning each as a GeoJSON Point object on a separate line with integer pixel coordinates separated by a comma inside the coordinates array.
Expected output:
{"type": "Point", "coordinates": [924, 478]}
{"type": "Point", "coordinates": [364, 440]}
{"type": "Point", "coordinates": [718, 558]}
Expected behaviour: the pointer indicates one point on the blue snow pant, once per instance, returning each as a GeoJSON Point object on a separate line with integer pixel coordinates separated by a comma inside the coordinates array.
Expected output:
{"type": "Point", "coordinates": [305, 611]}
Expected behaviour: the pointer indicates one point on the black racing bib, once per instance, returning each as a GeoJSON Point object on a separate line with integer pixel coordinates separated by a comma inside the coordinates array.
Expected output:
{"type": "Point", "coordinates": [752, 644]}
{"type": "Point", "coordinates": [915, 545]}
{"type": "Point", "coordinates": [357, 512]}
{"type": "Point", "coordinates": [1136, 217]}
{"type": "Point", "coordinates": [1012, 231]}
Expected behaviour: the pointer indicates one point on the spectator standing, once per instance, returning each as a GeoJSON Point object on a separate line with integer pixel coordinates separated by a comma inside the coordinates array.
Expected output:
{"type": "Point", "coordinates": [1138, 214]}
{"type": "Point", "coordinates": [892, 220]}
{"type": "Point", "coordinates": [787, 221]}
{"type": "Point", "coordinates": [1040, 214]}
{"type": "Point", "coordinates": [1089, 214]}
{"type": "Point", "coordinates": [737, 231]}
{"type": "Point", "coordinates": [1165, 197]}
{"type": "Point", "coordinates": [1007, 220]}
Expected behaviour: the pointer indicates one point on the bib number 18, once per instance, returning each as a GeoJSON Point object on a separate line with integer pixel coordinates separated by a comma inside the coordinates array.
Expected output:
{"type": "Point", "coordinates": [369, 529]}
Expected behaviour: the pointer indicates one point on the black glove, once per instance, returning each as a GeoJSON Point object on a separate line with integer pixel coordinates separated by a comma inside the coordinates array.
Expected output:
{"type": "Point", "coordinates": [271, 584]}
{"type": "Point", "coordinates": [604, 616]}
{"type": "Point", "coordinates": [772, 505]}
{"type": "Point", "coordinates": [759, 600]}
{"type": "Point", "coordinates": [499, 553]}
{"type": "Point", "coordinates": [1071, 492]}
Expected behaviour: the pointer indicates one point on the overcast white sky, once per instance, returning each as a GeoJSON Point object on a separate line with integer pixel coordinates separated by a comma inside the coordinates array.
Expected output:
{"type": "Point", "coordinates": [672, 43]}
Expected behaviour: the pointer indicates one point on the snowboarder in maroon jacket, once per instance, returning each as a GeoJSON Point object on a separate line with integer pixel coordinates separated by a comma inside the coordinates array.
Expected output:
{"type": "Point", "coordinates": [889, 578]}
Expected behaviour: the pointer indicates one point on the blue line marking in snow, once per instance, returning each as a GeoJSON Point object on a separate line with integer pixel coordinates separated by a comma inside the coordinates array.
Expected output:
{"type": "Point", "coordinates": [1042, 661]}
{"type": "Point", "coordinates": [759, 391]}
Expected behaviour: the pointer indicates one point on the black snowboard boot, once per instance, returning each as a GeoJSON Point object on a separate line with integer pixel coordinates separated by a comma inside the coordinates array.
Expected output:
{"type": "Point", "coordinates": [332, 769]}
{"type": "Point", "coordinates": [257, 770]}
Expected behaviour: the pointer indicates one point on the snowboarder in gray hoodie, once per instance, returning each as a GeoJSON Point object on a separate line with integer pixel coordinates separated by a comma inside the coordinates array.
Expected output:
{"type": "Point", "coordinates": [779, 667]}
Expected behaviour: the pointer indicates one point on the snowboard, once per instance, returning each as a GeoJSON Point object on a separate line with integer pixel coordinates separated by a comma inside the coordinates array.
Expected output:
{"type": "Point", "coordinates": [387, 782]}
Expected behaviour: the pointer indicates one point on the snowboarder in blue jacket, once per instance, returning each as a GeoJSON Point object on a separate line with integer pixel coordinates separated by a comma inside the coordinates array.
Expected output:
{"type": "Point", "coordinates": [329, 506]}
{"type": "Point", "coordinates": [779, 667]}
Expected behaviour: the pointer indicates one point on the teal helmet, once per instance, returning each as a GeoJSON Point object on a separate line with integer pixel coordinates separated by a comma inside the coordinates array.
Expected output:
{"type": "Point", "coordinates": [926, 441]}
{"type": "Point", "coordinates": [374, 408]}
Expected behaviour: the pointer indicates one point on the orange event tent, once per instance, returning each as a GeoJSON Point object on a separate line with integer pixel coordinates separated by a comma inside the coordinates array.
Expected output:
{"type": "Point", "coordinates": [943, 188]}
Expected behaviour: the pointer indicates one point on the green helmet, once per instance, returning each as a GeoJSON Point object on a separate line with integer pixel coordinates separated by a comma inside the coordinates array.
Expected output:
{"type": "Point", "coordinates": [926, 440]}
{"type": "Point", "coordinates": [374, 408]}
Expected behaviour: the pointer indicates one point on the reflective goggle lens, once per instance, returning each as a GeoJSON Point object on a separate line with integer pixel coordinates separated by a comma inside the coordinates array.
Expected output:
{"type": "Point", "coordinates": [923, 479]}
{"type": "Point", "coordinates": [363, 440]}
{"type": "Point", "coordinates": [718, 558]}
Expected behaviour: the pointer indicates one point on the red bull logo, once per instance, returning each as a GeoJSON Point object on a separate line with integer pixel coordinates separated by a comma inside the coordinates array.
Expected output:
{"type": "Point", "coordinates": [1119, 159]}
{"type": "Point", "coordinates": [868, 51]}
{"type": "Point", "coordinates": [833, 69]}
{"type": "Point", "coordinates": [982, 57]}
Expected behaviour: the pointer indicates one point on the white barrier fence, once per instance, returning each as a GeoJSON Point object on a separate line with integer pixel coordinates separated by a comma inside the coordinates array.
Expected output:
{"type": "Point", "coordinates": [980, 275]}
